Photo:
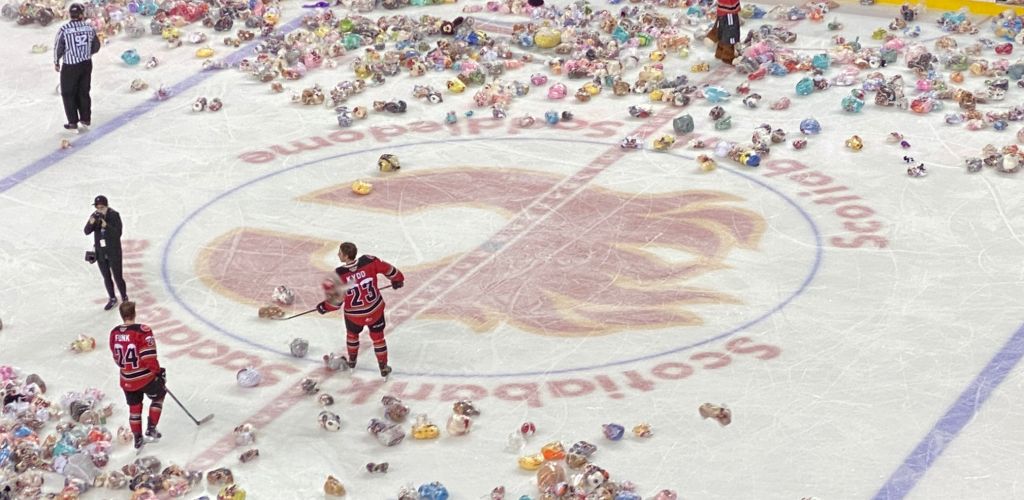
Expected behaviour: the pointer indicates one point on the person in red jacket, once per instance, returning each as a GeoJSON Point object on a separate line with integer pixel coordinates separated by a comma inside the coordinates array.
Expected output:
{"type": "Point", "coordinates": [134, 350]}
{"type": "Point", "coordinates": [726, 32]}
{"type": "Point", "coordinates": [355, 290]}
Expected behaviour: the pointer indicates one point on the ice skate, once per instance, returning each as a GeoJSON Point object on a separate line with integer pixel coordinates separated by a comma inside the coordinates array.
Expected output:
{"type": "Point", "coordinates": [153, 435]}
{"type": "Point", "coordinates": [385, 370]}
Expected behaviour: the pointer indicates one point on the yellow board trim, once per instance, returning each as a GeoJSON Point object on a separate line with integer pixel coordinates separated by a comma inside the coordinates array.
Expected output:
{"type": "Point", "coordinates": [975, 6]}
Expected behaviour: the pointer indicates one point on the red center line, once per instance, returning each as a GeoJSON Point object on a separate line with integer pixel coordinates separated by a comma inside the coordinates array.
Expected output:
{"type": "Point", "coordinates": [430, 291]}
{"type": "Point", "coordinates": [493, 28]}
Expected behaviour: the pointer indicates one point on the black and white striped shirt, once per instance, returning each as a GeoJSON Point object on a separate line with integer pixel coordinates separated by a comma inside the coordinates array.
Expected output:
{"type": "Point", "coordinates": [76, 42]}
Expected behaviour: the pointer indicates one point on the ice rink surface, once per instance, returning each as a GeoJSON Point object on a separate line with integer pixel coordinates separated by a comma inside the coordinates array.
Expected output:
{"type": "Point", "coordinates": [864, 327]}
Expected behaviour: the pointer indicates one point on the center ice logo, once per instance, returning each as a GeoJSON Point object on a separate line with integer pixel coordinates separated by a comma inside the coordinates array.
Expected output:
{"type": "Point", "coordinates": [584, 269]}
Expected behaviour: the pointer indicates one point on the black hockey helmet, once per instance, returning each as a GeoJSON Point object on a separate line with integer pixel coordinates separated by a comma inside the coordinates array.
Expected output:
{"type": "Point", "coordinates": [76, 11]}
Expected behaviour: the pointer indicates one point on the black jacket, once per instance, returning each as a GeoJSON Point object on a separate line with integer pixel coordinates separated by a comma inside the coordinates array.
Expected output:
{"type": "Point", "coordinates": [112, 234]}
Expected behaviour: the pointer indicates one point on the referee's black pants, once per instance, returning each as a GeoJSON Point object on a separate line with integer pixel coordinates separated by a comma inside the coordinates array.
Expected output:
{"type": "Point", "coordinates": [75, 82]}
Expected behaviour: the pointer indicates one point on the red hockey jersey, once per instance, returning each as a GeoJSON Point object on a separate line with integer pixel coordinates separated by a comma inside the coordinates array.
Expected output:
{"type": "Point", "coordinates": [363, 301]}
{"type": "Point", "coordinates": [726, 7]}
{"type": "Point", "coordinates": [134, 350]}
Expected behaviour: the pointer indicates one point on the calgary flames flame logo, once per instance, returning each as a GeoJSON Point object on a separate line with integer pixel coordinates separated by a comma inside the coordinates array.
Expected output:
{"type": "Point", "coordinates": [588, 266]}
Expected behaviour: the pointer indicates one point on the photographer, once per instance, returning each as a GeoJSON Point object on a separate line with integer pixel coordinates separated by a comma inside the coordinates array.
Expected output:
{"type": "Point", "coordinates": [105, 226]}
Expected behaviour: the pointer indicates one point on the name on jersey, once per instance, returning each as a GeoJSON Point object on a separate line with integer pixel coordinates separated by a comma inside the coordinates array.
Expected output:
{"type": "Point", "coordinates": [122, 337]}
{"type": "Point", "coordinates": [85, 28]}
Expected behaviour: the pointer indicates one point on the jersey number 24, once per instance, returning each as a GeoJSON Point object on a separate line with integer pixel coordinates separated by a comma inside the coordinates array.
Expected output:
{"type": "Point", "coordinates": [126, 357]}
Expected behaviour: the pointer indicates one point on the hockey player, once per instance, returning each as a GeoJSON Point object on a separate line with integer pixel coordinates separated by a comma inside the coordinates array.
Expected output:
{"type": "Point", "coordinates": [134, 350]}
{"type": "Point", "coordinates": [362, 302]}
{"type": "Point", "coordinates": [726, 31]}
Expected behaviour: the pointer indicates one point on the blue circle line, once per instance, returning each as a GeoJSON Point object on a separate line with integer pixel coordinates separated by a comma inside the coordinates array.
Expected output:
{"type": "Point", "coordinates": [164, 273]}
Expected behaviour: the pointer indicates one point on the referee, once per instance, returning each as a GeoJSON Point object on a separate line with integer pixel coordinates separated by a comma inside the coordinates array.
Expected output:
{"type": "Point", "coordinates": [76, 43]}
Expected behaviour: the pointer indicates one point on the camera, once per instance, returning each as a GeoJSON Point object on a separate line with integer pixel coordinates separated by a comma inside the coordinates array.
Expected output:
{"type": "Point", "coordinates": [90, 257]}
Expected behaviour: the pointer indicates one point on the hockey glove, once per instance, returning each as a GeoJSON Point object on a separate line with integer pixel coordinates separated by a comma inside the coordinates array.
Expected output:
{"type": "Point", "coordinates": [322, 308]}
{"type": "Point", "coordinates": [161, 377]}
{"type": "Point", "coordinates": [395, 285]}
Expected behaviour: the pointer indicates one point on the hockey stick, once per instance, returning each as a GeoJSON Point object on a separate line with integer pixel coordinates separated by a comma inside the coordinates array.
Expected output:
{"type": "Point", "coordinates": [303, 313]}
{"type": "Point", "coordinates": [197, 422]}
{"type": "Point", "coordinates": [297, 315]}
